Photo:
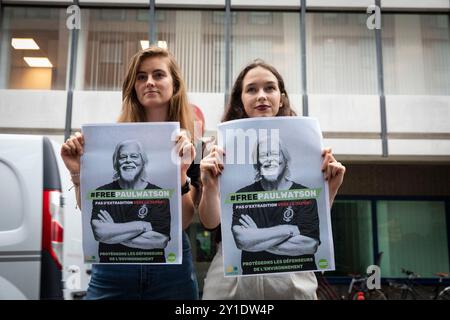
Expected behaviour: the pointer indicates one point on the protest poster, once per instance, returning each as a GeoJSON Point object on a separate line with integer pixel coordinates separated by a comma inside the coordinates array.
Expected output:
{"type": "Point", "coordinates": [275, 211]}
{"type": "Point", "coordinates": [131, 194]}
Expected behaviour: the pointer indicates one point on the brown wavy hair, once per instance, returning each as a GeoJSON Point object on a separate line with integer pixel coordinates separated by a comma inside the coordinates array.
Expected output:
{"type": "Point", "coordinates": [179, 108]}
{"type": "Point", "coordinates": [235, 108]}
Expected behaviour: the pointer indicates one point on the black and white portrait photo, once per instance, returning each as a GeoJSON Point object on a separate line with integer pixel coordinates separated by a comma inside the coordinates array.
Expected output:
{"type": "Point", "coordinates": [131, 216]}
{"type": "Point", "coordinates": [272, 230]}
{"type": "Point", "coordinates": [275, 212]}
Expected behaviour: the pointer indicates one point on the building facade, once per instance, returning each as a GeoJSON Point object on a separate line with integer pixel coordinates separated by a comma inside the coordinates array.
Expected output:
{"type": "Point", "coordinates": [381, 95]}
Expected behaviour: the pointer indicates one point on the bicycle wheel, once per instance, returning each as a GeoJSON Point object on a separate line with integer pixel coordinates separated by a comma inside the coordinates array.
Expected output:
{"type": "Point", "coordinates": [326, 293]}
{"type": "Point", "coordinates": [444, 294]}
{"type": "Point", "coordinates": [375, 295]}
{"type": "Point", "coordinates": [322, 294]}
{"type": "Point", "coordinates": [408, 295]}
{"type": "Point", "coordinates": [324, 290]}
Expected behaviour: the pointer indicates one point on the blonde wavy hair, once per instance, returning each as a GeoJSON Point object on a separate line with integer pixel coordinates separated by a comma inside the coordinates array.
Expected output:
{"type": "Point", "coordinates": [179, 108]}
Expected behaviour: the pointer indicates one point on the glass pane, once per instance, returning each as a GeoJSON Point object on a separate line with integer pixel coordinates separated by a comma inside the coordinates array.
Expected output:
{"type": "Point", "coordinates": [204, 248]}
{"type": "Point", "coordinates": [196, 38]}
{"type": "Point", "coordinates": [352, 232]}
{"type": "Point", "coordinates": [416, 54]}
{"type": "Point", "coordinates": [108, 39]}
{"type": "Point", "coordinates": [35, 44]}
{"type": "Point", "coordinates": [412, 235]}
{"type": "Point", "coordinates": [271, 36]}
{"type": "Point", "coordinates": [341, 54]}
{"type": "Point", "coordinates": [205, 245]}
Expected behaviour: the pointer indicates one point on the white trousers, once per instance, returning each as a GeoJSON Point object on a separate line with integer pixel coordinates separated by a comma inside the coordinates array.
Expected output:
{"type": "Point", "coordinates": [288, 286]}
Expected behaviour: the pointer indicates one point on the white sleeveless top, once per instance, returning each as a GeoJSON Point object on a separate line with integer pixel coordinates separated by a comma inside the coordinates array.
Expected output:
{"type": "Point", "coordinates": [287, 286]}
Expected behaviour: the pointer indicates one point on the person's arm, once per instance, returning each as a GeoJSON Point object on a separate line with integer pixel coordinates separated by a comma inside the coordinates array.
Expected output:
{"type": "Point", "coordinates": [210, 169]}
{"type": "Point", "coordinates": [186, 151]}
{"type": "Point", "coordinates": [209, 208]}
{"type": "Point", "coordinates": [261, 239]}
{"type": "Point", "coordinates": [71, 152]}
{"type": "Point", "coordinates": [112, 233]}
{"type": "Point", "coordinates": [333, 172]}
{"type": "Point", "coordinates": [148, 240]}
{"type": "Point", "coordinates": [295, 246]}
{"type": "Point", "coordinates": [77, 194]}
{"type": "Point", "coordinates": [187, 205]}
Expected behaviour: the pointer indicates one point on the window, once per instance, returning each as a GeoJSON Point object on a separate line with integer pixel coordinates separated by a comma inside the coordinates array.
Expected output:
{"type": "Point", "coordinates": [416, 54]}
{"type": "Point", "coordinates": [352, 235]}
{"type": "Point", "coordinates": [412, 235]}
{"type": "Point", "coordinates": [341, 54]}
{"type": "Point", "coordinates": [271, 36]}
{"type": "Point", "coordinates": [198, 44]}
{"type": "Point", "coordinates": [204, 249]}
{"type": "Point", "coordinates": [219, 17]}
{"type": "Point", "coordinates": [261, 18]}
{"type": "Point", "coordinates": [108, 40]}
{"type": "Point", "coordinates": [34, 49]}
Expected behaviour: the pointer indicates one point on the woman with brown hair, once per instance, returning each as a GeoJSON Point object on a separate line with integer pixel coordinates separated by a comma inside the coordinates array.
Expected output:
{"type": "Point", "coordinates": [259, 91]}
{"type": "Point", "coordinates": [153, 91]}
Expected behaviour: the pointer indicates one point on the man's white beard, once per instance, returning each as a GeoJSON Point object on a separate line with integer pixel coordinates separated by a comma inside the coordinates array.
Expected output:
{"type": "Point", "coordinates": [130, 176]}
{"type": "Point", "coordinates": [270, 174]}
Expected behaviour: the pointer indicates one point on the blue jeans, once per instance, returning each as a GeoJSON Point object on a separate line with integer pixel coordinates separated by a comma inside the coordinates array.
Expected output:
{"type": "Point", "coordinates": [145, 282]}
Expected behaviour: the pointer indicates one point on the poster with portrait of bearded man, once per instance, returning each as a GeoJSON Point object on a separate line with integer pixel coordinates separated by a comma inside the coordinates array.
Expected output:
{"type": "Point", "coordinates": [130, 192]}
{"type": "Point", "coordinates": [275, 211]}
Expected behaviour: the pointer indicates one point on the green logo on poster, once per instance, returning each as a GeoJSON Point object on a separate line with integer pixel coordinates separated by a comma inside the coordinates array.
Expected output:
{"type": "Point", "coordinates": [231, 270]}
{"type": "Point", "coordinates": [171, 257]}
{"type": "Point", "coordinates": [323, 263]}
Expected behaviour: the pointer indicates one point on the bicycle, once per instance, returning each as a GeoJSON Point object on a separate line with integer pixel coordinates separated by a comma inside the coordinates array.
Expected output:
{"type": "Point", "coordinates": [408, 288]}
{"type": "Point", "coordinates": [357, 290]}
{"type": "Point", "coordinates": [324, 289]}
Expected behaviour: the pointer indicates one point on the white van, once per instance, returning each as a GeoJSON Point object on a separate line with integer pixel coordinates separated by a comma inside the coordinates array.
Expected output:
{"type": "Point", "coordinates": [31, 219]}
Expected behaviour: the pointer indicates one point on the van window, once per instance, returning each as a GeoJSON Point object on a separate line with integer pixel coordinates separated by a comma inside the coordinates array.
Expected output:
{"type": "Point", "coordinates": [11, 201]}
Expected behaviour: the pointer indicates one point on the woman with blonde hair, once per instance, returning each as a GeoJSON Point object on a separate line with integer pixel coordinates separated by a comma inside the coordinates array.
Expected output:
{"type": "Point", "coordinates": [153, 91]}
